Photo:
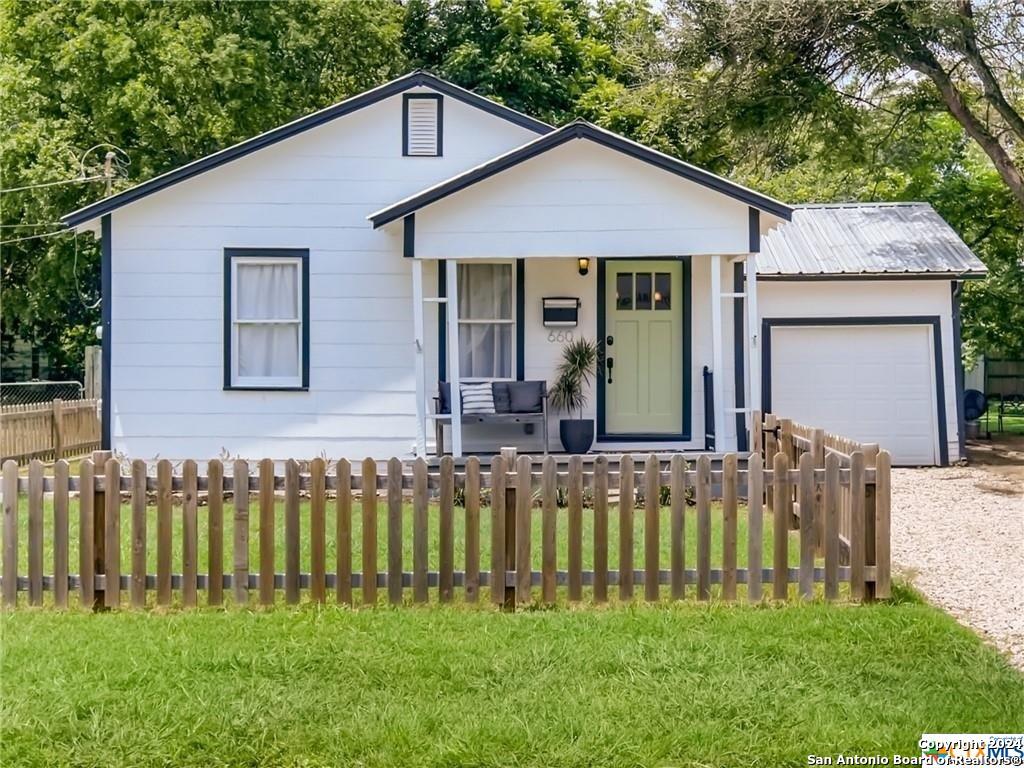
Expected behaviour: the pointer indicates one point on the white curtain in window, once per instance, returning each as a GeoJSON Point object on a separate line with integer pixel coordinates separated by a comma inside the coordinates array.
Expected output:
{"type": "Point", "coordinates": [268, 292]}
{"type": "Point", "coordinates": [485, 293]}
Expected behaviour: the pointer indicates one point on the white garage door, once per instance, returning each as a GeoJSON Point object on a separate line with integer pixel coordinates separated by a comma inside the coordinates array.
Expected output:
{"type": "Point", "coordinates": [873, 383]}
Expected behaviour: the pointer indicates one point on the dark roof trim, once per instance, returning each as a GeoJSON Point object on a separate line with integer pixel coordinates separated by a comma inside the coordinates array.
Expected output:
{"type": "Point", "coordinates": [365, 99]}
{"type": "Point", "coordinates": [580, 130]}
{"type": "Point", "coordinates": [802, 278]}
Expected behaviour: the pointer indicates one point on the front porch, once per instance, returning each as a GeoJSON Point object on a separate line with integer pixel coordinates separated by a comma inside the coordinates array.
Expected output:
{"type": "Point", "coordinates": [681, 376]}
{"type": "Point", "coordinates": [658, 255]}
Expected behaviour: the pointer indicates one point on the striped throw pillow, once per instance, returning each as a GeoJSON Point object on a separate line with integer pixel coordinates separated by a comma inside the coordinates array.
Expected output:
{"type": "Point", "coordinates": [477, 398]}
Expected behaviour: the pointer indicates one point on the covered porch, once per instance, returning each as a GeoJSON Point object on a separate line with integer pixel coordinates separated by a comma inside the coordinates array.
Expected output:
{"type": "Point", "coordinates": [677, 337]}
{"type": "Point", "coordinates": [582, 233]}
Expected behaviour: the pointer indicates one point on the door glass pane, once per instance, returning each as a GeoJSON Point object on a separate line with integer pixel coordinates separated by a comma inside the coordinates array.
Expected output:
{"type": "Point", "coordinates": [624, 290]}
{"type": "Point", "coordinates": [643, 291]}
{"type": "Point", "coordinates": [662, 290]}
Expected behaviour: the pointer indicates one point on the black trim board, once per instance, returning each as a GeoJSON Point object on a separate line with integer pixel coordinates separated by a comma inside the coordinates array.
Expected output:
{"type": "Point", "coordinates": [958, 351]}
{"type": "Point", "coordinates": [409, 236]}
{"type": "Point", "coordinates": [266, 253]}
{"type": "Point", "coordinates": [754, 230]}
{"type": "Point", "coordinates": [739, 361]}
{"type": "Point", "coordinates": [415, 79]}
{"type": "Point", "coordinates": [520, 319]}
{"type": "Point", "coordinates": [106, 342]}
{"type": "Point", "coordinates": [439, 139]}
{"type": "Point", "coordinates": [687, 388]}
{"type": "Point", "coordinates": [768, 323]}
{"type": "Point", "coordinates": [580, 130]}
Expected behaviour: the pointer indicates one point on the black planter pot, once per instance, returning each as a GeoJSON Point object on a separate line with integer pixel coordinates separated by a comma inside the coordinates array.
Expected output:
{"type": "Point", "coordinates": [577, 434]}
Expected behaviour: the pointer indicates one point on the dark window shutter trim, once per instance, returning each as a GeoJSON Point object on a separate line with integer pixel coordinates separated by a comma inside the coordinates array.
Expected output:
{"type": "Point", "coordinates": [268, 253]}
{"type": "Point", "coordinates": [408, 97]}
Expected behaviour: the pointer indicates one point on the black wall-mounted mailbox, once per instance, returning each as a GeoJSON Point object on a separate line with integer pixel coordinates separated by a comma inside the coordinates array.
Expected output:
{"type": "Point", "coordinates": [561, 311]}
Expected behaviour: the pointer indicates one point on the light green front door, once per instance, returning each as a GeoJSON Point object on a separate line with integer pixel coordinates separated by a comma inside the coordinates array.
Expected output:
{"type": "Point", "coordinates": [643, 384]}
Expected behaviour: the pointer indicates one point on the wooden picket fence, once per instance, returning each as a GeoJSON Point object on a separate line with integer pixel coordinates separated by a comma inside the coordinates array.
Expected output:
{"type": "Point", "coordinates": [862, 519]}
{"type": "Point", "coordinates": [50, 430]}
{"type": "Point", "coordinates": [841, 556]}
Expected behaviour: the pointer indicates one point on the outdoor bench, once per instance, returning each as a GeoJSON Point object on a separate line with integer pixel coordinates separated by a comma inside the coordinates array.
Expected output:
{"type": "Point", "coordinates": [515, 402]}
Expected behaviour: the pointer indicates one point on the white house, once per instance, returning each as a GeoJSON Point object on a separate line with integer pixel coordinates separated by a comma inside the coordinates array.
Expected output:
{"type": "Point", "coordinates": [302, 293]}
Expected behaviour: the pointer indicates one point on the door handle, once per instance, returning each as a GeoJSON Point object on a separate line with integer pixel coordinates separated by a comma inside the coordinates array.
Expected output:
{"type": "Point", "coordinates": [610, 363]}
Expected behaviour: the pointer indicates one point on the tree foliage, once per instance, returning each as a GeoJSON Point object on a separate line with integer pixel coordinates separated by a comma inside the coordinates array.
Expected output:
{"type": "Point", "coordinates": [878, 100]}
{"type": "Point", "coordinates": [805, 99]}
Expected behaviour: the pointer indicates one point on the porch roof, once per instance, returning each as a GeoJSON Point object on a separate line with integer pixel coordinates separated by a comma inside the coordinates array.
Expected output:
{"type": "Point", "coordinates": [578, 129]}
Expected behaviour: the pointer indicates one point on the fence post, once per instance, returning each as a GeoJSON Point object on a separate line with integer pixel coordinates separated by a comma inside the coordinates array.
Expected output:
{"type": "Point", "coordinates": [786, 447]}
{"type": "Point", "coordinates": [756, 433]}
{"type": "Point", "coordinates": [818, 452]}
{"type": "Point", "coordinates": [509, 457]}
{"type": "Point", "coordinates": [883, 491]}
{"type": "Point", "coordinates": [99, 525]}
{"type": "Point", "coordinates": [870, 496]}
{"type": "Point", "coordinates": [771, 447]}
{"type": "Point", "coordinates": [58, 429]}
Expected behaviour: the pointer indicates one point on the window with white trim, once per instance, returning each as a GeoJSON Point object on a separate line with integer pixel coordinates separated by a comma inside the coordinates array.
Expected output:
{"type": "Point", "coordinates": [486, 320]}
{"type": "Point", "coordinates": [268, 304]}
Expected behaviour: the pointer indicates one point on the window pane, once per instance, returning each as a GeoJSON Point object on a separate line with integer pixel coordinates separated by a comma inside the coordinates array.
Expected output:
{"type": "Point", "coordinates": [485, 291]}
{"type": "Point", "coordinates": [643, 291]}
{"type": "Point", "coordinates": [624, 290]}
{"type": "Point", "coordinates": [662, 290]}
{"type": "Point", "coordinates": [485, 351]}
{"type": "Point", "coordinates": [267, 292]}
{"type": "Point", "coordinates": [268, 351]}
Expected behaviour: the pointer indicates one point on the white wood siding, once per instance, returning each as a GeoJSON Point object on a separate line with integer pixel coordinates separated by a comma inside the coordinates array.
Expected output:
{"type": "Point", "coordinates": [311, 191]}
{"type": "Point", "coordinates": [582, 199]}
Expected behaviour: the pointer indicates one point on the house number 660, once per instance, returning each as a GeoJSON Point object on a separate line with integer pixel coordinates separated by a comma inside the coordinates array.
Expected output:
{"type": "Point", "coordinates": [554, 336]}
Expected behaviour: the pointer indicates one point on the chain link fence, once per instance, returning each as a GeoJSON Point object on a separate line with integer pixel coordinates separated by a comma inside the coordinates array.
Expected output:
{"type": "Point", "coordinates": [32, 392]}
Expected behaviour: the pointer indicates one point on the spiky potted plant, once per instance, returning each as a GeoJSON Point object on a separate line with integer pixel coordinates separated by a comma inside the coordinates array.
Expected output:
{"type": "Point", "coordinates": [580, 362]}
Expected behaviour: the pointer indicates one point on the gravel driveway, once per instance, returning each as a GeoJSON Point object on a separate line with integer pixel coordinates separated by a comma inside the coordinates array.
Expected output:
{"type": "Point", "coordinates": [958, 537]}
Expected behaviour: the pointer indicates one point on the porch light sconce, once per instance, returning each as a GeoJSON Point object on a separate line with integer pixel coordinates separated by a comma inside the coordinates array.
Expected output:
{"type": "Point", "coordinates": [584, 264]}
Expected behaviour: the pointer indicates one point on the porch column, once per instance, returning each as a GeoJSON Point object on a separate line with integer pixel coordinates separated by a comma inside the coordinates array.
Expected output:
{"type": "Point", "coordinates": [452, 308]}
{"type": "Point", "coordinates": [718, 353]}
{"type": "Point", "coordinates": [753, 331]}
{"type": "Point", "coordinates": [420, 364]}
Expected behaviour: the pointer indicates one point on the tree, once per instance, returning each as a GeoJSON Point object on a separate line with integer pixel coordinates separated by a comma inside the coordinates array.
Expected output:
{"type": "Point", "coordinates": [972, 59]}
{"type": "Point", "coordinates": [543, 57]}
{"type": "Point", "coordinates": [165, 82]}
{"type": "Point", "coordinates": [877, 100]}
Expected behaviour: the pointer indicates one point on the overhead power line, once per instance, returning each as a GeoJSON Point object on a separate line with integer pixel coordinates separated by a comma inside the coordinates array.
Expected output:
{"type": "Point", "coordinates": [53, 184]}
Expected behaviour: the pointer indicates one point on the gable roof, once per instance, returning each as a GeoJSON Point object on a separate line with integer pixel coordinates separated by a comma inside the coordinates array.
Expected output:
{"type": "Point", "coordinates": [414, 79]}
{"type": "Point", "coordinates": [579, 129]}
{"type": "Point", "coordinates": [863, 239]}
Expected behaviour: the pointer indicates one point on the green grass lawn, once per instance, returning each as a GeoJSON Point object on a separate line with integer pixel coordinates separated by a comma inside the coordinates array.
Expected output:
{"type": "Point", "coordinates": [679, 685]}
{"type": "Point", "coordinates": [433, 538]}
{"type": "Point", "coordinates": [1013, 423]}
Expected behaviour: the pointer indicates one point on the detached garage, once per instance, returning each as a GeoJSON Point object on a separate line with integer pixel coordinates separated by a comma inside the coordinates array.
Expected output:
{"type": "Point", "coordinates": [860, 326]}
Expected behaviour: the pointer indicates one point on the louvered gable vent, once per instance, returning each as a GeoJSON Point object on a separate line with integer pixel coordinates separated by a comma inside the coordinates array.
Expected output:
{"type": "Point", "coordinates": [422, 125]}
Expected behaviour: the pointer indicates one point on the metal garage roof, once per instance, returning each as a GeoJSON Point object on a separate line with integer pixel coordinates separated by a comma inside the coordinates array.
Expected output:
{"type": "Point", "coordinates": [866, 239]}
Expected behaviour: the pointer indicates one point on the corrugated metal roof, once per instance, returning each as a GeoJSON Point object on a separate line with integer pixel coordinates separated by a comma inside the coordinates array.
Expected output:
{"type": "Point", "coordinates": [865, 239]}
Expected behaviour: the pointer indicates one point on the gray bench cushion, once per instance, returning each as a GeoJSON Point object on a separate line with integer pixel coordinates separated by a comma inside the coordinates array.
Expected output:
{"type": "Point", "coordinates": [521, 397]}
